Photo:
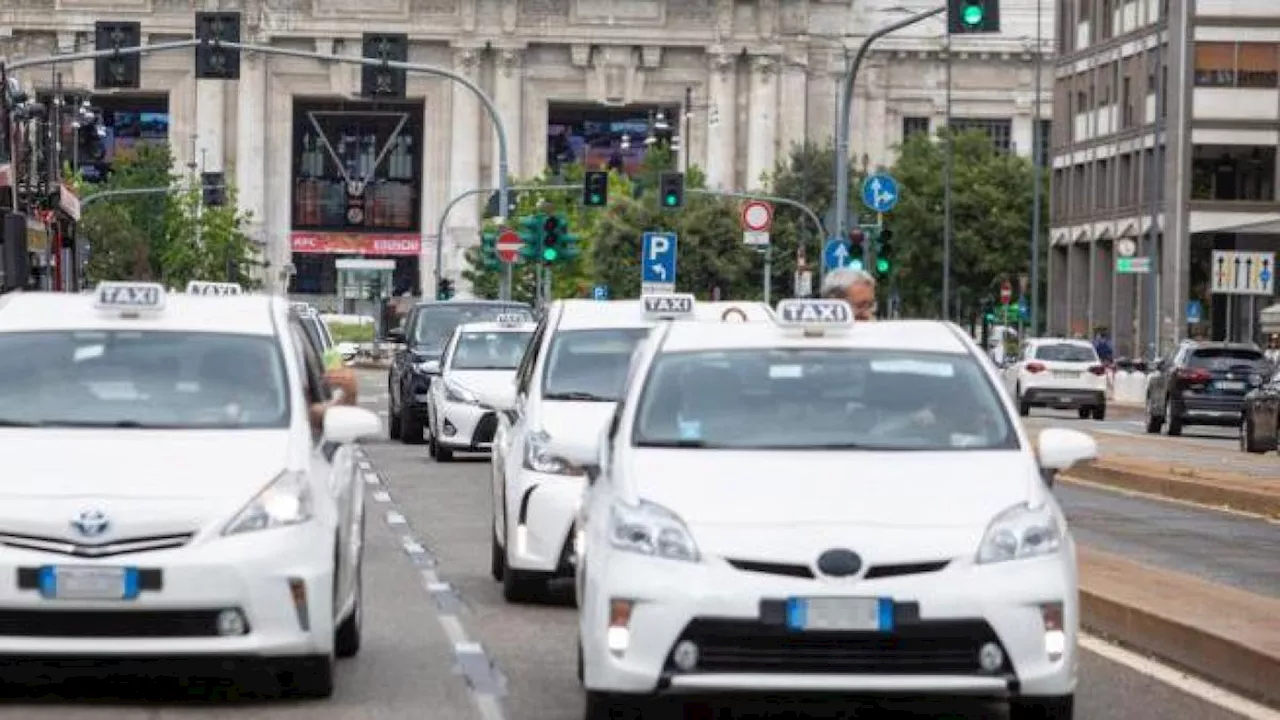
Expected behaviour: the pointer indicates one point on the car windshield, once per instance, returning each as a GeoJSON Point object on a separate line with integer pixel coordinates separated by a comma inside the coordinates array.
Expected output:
{"type": "Point", "coordinates": [1066, 352]}
{"type": "Point", "coordinates": [799, 399]}
{"type": "Point", "coordinates": [489, 350]}
{"type": "Point", "coordinates": [130, 379]}
{"type": "Point", "coordinates": [590, 365]}
{"type": "Point", "coordinates": [436, 323]}
{"type": "Point", "coordinates": [1226, 358]}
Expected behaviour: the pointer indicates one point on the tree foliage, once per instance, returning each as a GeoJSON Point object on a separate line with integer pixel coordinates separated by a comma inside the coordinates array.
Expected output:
{"type": "Point", "coordinates": [992, 195]}
{"type": "Point", "coordinates": [163, 237]}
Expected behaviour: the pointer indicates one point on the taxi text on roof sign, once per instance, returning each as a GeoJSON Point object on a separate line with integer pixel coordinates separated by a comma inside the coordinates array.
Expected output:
{"type": "Point", "coordinates": [201, 287]}
{"type": "Point", "coordinates": [130, 296]}
{"type": "Point", "coordinates": [815, 314]}
{"type": "Point", "coordinates": [668, 306]}
{"type": "Point", "coordinates": [511, 320]}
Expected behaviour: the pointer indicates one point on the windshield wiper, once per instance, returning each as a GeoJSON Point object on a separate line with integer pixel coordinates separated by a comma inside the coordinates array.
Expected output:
{"type": "Point", "coordinates": [132, 424]}
{"type": "Point", "coordinates": [577, 395]}
{"type": "Point", "coordinates": [20, 423]}
{"type": "Point", "coordinates": [673, 444]}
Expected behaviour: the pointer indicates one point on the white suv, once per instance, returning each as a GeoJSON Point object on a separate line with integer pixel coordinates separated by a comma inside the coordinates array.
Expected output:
{"type": "Point", "coordinates": [1058, 373]}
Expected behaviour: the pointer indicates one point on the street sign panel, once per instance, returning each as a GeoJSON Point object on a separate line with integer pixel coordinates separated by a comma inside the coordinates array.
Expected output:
{"type": "Point", "coordinates": [880, 192]}
{"type": "Point", "coordinates": [600, 292]}
{"type": "Point", "coordinates": [1194, 314]}
{"type": "Point", "coordinates": [757, 219]}
{"type": "Point", "coordinates": [508, 246]}
{"type": "Point", "coordinates": [836, 253]}
{"type": "Point", "coordinates": [1127, 265]}
{"type": "Point", "coordinates": [755, 238]}
{"type": "Point", "coordinates": [1241, 272]}
{"type": "Point", "coordinates": [1006, 292]}
{"type": "Point", "coordinates": [658, 261]}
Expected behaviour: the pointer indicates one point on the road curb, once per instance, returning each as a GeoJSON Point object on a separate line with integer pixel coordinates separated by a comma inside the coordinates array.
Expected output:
{"type": "Point", "coordinates": [1188, 487]}
{"type": "Point", "coordinates": [1230, 652]}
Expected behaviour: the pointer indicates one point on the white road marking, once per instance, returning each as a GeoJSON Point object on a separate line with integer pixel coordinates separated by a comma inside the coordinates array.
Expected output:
{"type": "Point", "coordinates": [1188, 684]}
{"type": "Point", "coordinates": [382, 496]}
{"type": "Point", "coordinates": [395, 518]}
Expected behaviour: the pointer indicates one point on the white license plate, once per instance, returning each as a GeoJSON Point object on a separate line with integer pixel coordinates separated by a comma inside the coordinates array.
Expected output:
{"type": "Point", "coordinates": [1065, 375]}
{"type": "Point", "coordinates": [89, 583]}
{"type": "Point", "coordinates": [1230, 385]}
{"type": "Point", "coordinates": [844, 613]}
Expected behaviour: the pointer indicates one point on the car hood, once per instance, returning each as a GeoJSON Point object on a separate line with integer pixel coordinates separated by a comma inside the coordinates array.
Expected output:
{"type": "Point", "coordinates": [484, 383]}
{"type": "Point", "coordinates": [573, 422]}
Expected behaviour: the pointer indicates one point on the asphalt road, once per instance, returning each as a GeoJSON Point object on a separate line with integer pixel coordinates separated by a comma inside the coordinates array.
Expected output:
{"type": "Point", "coordinates": [428, 527]}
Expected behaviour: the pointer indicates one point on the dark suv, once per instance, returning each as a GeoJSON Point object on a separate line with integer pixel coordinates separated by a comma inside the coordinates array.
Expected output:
{"type": "Point", "coordinates": [1203, 383]}
{"type": "Point", "coordinates": [425, 332]}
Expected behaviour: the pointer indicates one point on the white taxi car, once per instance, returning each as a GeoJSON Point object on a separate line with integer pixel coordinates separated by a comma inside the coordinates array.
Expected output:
{"type": "Point", "coordinates": [166, 492]}
{"type": "Point", "coordinates": [479, 360]}
{"type": "Point", "coordinates": [1059, 373]}
{"type": "Point", "coordinates": [813, 506]}
{"type": "Point", "coordinates": [563, 395]}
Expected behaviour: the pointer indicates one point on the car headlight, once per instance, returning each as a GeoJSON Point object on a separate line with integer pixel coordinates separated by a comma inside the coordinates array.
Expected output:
{"type": "Point", "coordinates": [650, 529]}
{"type": "Point", "coordinates": [286, 501]}
{"type": "Point", "coordinates": [1021, 532]}
{"type": "Point", "coordinates": [539, 458]}
{"type": "Point", "coordinates": [454, 392]}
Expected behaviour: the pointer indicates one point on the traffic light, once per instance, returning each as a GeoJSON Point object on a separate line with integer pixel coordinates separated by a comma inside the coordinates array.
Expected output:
{"type": "Point", "coordinates": [973, 16]}
{"type": "Point", "coordinates": [595, 188]}
{"type": "Point", "coordinates": [884, 252]}
{"type": "Point", "coordinates": [117, 71]}
{"type": "Point", "coordinates": [671, 190]}
{"type": "Point", "coordinates": [445, 290]}
{"type": "Point", "coordinates": [552, 238]}
{"type": "Point", "coordinates": [531, 227]}
{"type": "Point", "coordinates": [382, 81]}
{"type": "Point", "coordinates": [212, 60]}
{"type": "Point", "coordinates": [568, 241]}
{"type": "Point", "coordinates": [213, 189]}
{"type": "Point", "coordinates": [489, 249]}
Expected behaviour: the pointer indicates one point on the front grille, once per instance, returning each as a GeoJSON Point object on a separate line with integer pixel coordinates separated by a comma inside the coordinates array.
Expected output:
{"type": "Point", "coordinates": [108, 623]}
{"type": "Point", "coordinates": [485, 429]}
{"type": "Point", "coordinates": [804, 571]}
{"type": "Point", "coordinates": [771, 568]}
{"type": "Point", "coordinates": [926, 647]}
{"type": "Point", "coordinates": [884, 571]}
{"type": "Point", "coordinates": [117, 547]}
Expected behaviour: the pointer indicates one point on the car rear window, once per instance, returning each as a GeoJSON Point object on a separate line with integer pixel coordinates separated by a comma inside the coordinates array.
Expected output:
{"type": "Point", "coordinates": [1066, 352]}
{"type": "Point", "coordinates": [1223, 358]}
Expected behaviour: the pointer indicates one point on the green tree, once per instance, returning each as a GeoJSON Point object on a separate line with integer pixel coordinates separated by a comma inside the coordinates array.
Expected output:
{"type": "Point", "coordinates": [992, 194]}
{"type": "Point", "coordinates": [154, 236]}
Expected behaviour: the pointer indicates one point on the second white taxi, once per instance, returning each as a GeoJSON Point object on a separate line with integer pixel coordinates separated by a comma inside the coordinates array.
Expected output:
{"type": "Point", "coordinates": [814, 506]}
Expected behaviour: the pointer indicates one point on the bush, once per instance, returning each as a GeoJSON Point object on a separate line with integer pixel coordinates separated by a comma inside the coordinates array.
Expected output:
{"type": "Point", "coordinates": [351, 332]}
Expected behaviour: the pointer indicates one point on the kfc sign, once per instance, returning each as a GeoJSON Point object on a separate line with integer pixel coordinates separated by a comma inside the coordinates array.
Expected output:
{"type": "Point", "coordinates": [356, 243]}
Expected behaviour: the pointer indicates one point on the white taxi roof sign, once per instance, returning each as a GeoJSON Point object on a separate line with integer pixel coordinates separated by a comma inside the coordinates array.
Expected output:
{"type": "Point", "coordinates": [202, 287]}
{"type": "Point", "coordinates": [130, 296]}
{"type": "Point", "coordinates": [668, 307]}
{"type": "Point", "coordinates": [815, 316]}
{"type": "Point", "coordinates": [510, 320]}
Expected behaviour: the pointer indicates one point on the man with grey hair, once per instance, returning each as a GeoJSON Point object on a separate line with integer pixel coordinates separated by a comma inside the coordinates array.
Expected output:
{"type": "Point", "coordinates": [857, 287]}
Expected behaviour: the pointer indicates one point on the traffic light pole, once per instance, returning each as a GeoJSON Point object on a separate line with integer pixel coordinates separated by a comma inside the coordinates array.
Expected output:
{"type": "Point", "coordinates": [846, 108]}
{"type": "Point", "coordinates": [504, 292]}
{"type": "Point", "coordinates": [489, 106]}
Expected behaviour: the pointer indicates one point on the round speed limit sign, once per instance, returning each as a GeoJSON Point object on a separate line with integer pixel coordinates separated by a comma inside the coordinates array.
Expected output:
{"type": "Point", "coordinates": [757, 216]}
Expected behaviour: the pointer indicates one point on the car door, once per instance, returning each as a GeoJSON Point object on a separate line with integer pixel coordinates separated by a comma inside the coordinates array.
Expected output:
{"type": "Point", "coordinates": [1266, 412]}
{"type": "Point", "coordinates": [511, 424]}
{"type": "Point", "coordinates": [400, 362]}
{"type": "Point", "coordinates": [436, 394]}
{"type": "Point", "coordinates": [332, 469]}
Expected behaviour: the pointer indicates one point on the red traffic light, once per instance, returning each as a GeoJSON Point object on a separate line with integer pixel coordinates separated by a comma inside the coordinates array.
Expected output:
{"type": "Point", "coordinates": [857, 237]}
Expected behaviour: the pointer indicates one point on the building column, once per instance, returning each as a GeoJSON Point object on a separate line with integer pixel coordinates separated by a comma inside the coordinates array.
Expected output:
{"type": "Point", "coordinates": [211, 113]}
{"type": "Point", "coordinates": [251, 142]}
{"type": "Point", "coordinates": [279, 183]}
{"type": "Point", "coordinates": [762, 144]}
{"type": "Point", "coordinates": [508, 89]}
{"type": "Point", "coordinates": [464, 163]}
{"type": "Point", "coordinates": [722, 119]}
{"type": "Point", "coordinates": [793, 112]}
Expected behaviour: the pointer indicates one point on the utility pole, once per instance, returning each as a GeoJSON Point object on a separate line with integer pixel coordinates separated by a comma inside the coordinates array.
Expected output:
{"type": "Point", "coordinates": [947, 174]}
{"type": "Point", "coordinates": [1155, 180]}
{"type": "Point", "coordinates": [684, 132]}
{"type": "Point", "coordinates": [1037, 176]}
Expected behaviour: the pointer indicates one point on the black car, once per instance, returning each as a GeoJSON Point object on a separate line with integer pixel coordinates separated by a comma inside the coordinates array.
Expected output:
{"type": "Point", "coordinates": [1260, 420]}
{"type": "Point", "coordinates": [425, 332]}
{"type": "Point", "coordinates": [1203, 383]}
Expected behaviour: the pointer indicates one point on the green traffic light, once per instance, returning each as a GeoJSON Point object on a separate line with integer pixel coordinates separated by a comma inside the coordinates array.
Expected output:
{"type": "Point", "coordinates": [882, 265]}
{"type": "Point", "coordinates": [972, 15]}
{"type": "Point", "coordinates": [595, 199]}
{"type": "Point", "coordinates": [550, 254]}
{"type": "Point", "coordinates": [671, 200]}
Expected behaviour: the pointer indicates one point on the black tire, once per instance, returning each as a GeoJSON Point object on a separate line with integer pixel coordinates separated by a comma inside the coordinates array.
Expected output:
{"type": "Point", "coordinates": [520, 586]}
{"type": "Point", "coordinates": [347, 636]}
{"type": "Point", "coordinates": [497, 557]}
{"type": "Point", "coordinates": [411, 430]}
{"type": "Point", "coordinates": [440, 452]}
{"type": "Point", "coordinates": [610, 706]}
{"type": "Point", "coordinates": [1171, 417]}
{"type": "Point", "coordinates": [306, 677]}
{"type": "Point", "coordinates": [1099, 412]}
{"type": "Point", "coordinates": [1154, 422]}
{"type": "Point", "coordinates": [1024, 407]}
{"type": "Point", "coordinates": [1084, 412]}
{"type": "Point", "coordinates": [393, 426]}
{"type": "Point", "coordinates": [1247, 442]}
{"type": "Point", "coordinates": [1043, 708]}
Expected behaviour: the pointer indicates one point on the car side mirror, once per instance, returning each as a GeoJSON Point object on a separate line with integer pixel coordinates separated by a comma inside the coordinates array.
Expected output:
{"type": "Point", "coordinates": [395, 335]}
{"type": "Point", "coordinates": [503, 399]}
{"type": "Point", "coordinates": [585, 455]}
{"type": "Point", "coordinates": [1059, 448]}
{"type": "Point", "coordinates": [431, 367]}
{"type": "Point", "coordinates": [346, 424]}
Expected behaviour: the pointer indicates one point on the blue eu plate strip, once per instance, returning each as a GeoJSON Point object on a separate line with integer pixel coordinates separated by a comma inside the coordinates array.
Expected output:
{"type": "Point", "coordinates": [886, 614]}
{"type": "Point", "coordinates": [797, 613]}
{"type": "Point", "coordinates": [48, 582]}
{"type": "Point", "coordinates": [131, 589]}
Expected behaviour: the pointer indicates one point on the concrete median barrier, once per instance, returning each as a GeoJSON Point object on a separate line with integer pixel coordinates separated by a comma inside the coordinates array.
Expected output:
{"type": "Point", "coordinates": [1220, 633]}
{"type": "Point", "coordinates": [1259, 496]}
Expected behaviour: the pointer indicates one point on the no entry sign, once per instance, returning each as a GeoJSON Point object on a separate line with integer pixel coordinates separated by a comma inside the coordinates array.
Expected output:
{"type": "Point", "coordinates": [508, 246]}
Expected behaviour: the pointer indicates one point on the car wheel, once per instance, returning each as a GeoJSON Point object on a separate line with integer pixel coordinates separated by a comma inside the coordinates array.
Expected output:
{"type": "Point", "coordinates": [1024, 407]}
{"type": "Point", "coordinates": [519, 586]}
{"type": "Point", "coordinates": [393, 426]}
{"type": "Point", "coordinates": [306, 677]}
{"type": "Point", "coordinates": [1044, 708]}
{"type": "Point", "coordinates": [611, 706]}
{"type": "Point", "coordinates": [1154, 422]}
{"type": "Point", "coordinates": [1171, 417]}
{"type": "Point", "coordinates": [440, 452]}
{"type": "Point", "coordinates": [346, 639]}
{"type": "Point", "coordinates": [1084, 412]}
{"type": "Point", "coordinates": [411, 430]}
{"type": "Point", "coordinates": [1099, 412]}
{"type": "Point", "coordinates": [1248, 442]}
{"type": "Point", "coordinates": [497, 557]}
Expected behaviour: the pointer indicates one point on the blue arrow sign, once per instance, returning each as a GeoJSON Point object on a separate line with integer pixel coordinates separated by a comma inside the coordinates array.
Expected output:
{"type": "Point", "coordinates": [658, 258]}
{"type": "Point", "coordinates": [1193, 311]}
{"type": "Point", "coordinates": [836, 253]}
{"type": "Point", "coordinates": [601, 292]}
{"type": "Point", "coordinates": [880, 192]}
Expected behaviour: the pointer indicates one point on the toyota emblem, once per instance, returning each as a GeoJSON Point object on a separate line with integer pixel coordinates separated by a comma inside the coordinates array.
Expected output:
{"type": "Point", "coordinates": [91, 523]}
